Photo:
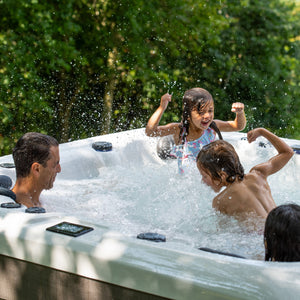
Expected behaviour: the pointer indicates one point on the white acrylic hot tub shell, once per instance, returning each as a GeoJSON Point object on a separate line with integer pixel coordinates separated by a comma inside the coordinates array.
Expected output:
{"type": "Point", "coordinates": [136, 264]}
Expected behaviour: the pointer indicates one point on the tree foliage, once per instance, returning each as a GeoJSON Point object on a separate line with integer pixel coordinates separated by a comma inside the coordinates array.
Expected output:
{"type": "Point", "coordinates": [79, 68]}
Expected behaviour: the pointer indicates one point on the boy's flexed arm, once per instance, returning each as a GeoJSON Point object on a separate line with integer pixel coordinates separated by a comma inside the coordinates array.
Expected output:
{"type": "Point", "coordinates": [274, 164]}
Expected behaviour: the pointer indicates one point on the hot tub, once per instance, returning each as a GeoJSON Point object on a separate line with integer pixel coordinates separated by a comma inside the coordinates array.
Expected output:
{"type": "Point", "coordinates": [127, 191]}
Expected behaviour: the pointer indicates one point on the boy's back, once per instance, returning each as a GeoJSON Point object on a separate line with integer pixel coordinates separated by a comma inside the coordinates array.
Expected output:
{"type": "Point", "coordinates": [252, 194]}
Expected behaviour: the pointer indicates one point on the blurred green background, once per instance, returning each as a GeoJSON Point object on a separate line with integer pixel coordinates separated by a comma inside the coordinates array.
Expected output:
{"type": "Point", "coordinates": [78, 68]}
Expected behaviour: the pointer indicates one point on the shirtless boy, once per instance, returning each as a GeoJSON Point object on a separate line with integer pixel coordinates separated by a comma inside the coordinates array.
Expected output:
{"type": "Point", "coordinates": [220, 167]}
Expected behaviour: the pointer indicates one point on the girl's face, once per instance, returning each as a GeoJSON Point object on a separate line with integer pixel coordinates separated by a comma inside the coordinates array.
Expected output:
{"type": "Point", "coordinates": [216, 185]}
{"type": "Point", "coordinates": [202, 119]}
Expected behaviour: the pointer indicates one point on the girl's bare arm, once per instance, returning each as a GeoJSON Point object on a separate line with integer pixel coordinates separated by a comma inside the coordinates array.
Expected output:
{"type": "Point", "coordinates": [238, 123]}
{"type": "Point", "coordinates": [152, 128]}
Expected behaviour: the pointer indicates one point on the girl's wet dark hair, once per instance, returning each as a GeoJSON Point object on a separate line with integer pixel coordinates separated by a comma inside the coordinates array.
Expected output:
{"type": "Point", "coordinates": [214, 126]}
{"type": "Point", "coordinates": [221, 156]}
{"type": "Point", "coordinates": [282, 234]}
{"type": "Point", "coordinates": [195, 98]}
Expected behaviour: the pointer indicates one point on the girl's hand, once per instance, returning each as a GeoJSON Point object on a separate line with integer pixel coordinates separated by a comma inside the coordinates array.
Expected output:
{"type": "Point", "coordinates": [165, 99]}
{"type": "Point", "coordinates": [237, 107]}
{"type": "Point", "coordinates": [252, 135]}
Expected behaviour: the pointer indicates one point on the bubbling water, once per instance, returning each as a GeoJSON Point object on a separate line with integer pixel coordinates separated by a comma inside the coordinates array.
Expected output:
{"type": "Point", "coordinates": [153, 197]}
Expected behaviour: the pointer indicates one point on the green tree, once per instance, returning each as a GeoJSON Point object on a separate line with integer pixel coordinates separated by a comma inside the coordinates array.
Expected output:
{"type": "Point", "coordinates": [77, 68]}
{"type": "Point", "coordinates": [263, 56]}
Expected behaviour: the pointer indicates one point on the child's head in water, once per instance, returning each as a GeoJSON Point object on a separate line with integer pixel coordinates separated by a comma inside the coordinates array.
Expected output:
{"type": "Point", "coordinates": [196, 103]}
{"type": "Point", "coordinates": [218, 163]}
{"type": "Point", "coordinates": [282, 234]}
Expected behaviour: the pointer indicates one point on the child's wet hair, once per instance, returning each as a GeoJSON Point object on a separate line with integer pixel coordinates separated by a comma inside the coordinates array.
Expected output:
{"type": "Point", "coordinates": [282, 233]}
{"type": "Point", "coordinates": [220, 156]}
{"type": "Point", "coordinates": [195, 98]}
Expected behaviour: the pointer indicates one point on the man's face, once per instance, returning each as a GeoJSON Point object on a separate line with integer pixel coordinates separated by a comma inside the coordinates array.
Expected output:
{"type": "Point", "coordinates": [48, 173]}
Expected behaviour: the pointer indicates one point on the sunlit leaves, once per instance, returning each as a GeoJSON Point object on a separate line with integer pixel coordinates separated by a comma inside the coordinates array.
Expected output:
{"type": "Point", "coordinates": [60, 60]}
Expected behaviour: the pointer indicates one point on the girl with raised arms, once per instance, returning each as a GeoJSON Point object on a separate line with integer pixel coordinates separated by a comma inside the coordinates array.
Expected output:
{"type": "Point", "coordinates": [197, 127]}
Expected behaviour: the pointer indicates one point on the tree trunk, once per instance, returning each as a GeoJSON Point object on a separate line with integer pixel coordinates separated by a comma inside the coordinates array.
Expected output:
{"type": "Point", "coordinates": [66, 104]}
{"type": "Point", "coordinates": [109, 92]}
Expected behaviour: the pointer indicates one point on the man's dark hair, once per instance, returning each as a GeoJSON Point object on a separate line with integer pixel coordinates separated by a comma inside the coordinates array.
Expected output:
{"type": "Point", "coordinates": [30, 148]}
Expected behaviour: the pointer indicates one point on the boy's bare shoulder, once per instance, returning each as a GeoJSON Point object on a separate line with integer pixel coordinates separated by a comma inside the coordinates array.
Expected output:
{"type": "Point", "coordinates": [249, 195]}
{"type": "Point", "coordinates": [235, 199]}
{"type": "Point", "coordinates": [225, 201]}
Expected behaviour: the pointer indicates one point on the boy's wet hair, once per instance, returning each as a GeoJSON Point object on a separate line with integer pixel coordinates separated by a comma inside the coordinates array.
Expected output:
{"type": "Point", "coordinates": [282, 233]}
{"type": "Point", "coordinates": [30, 148]}
{"type": "Point", "coordinates": [195, 98]}
{"type": "Point", "coordinates": [220, 156]}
